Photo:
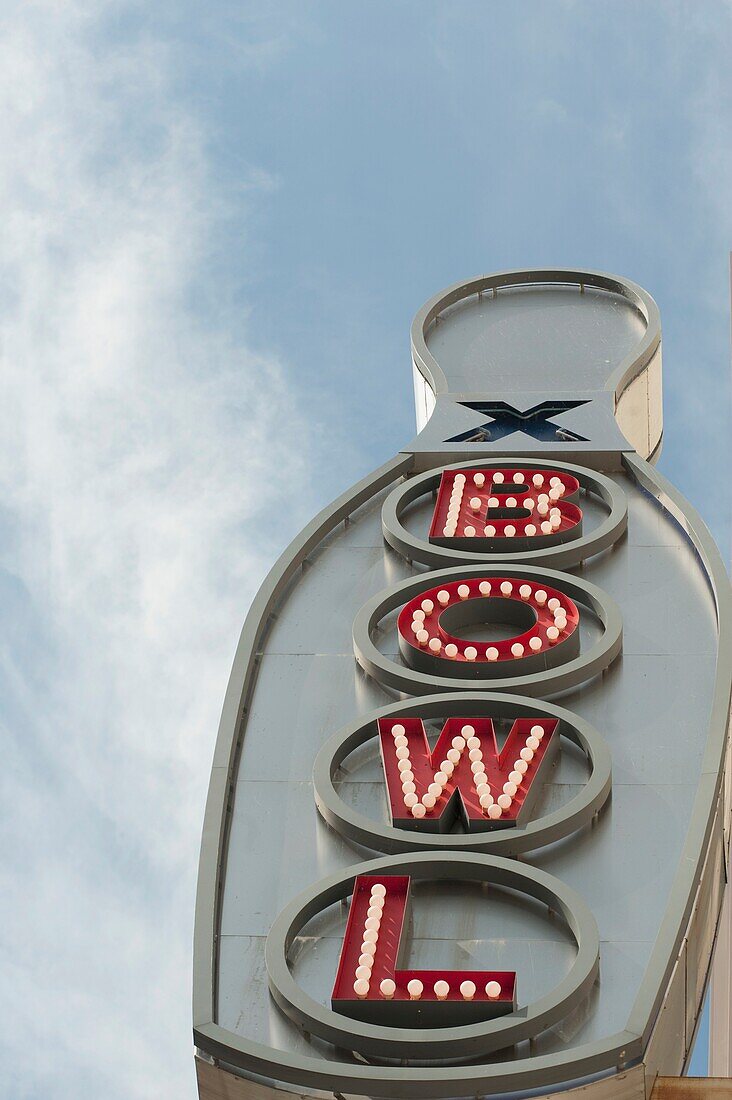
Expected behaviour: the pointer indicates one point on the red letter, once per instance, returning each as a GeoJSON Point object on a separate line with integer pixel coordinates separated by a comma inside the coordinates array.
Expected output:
{"type": "Point", "coordinates": [369, 986]}
{"type": "Point", "coordinates": [494, 506]}
{"type": "Point", "coordinates": [465, 774]}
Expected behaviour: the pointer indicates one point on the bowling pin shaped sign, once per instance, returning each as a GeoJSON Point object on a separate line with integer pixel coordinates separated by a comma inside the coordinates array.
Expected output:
{"type": "Point", "coordinates": [468, 817]}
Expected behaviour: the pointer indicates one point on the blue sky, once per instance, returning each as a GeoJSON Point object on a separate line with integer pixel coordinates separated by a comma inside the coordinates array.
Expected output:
{"type": "Point", "coordinates": [218, 222]}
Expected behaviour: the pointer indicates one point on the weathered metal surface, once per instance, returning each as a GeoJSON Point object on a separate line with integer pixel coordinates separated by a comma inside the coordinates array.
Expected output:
{"type": "Point", "coordinates": [649, 867]}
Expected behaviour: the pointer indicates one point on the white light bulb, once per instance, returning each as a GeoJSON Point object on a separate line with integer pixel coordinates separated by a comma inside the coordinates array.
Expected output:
{"type": "Point", "coordinates": [422, 637]}
{"type": "Point", "coordinates": [408, 787]}
{"type": "Point", "coordinates": [517, 649]}
{"type": "Point", "coordinates": [414, 989]}
{"type": "Point", "coordinates": [435, 645]}
{"type": "Point", "coordinates": [486, 800]}
{"type": "Point", "coordinates": [515, 777]}
{"type": "Point", "coordinates": [552, 633]}
{"type": "Point", "coordinates": [562, 487]}
{"type": "Point", "coordinates": [493, 502]}
{"type": "Point", "coordinates": [467, 732]}
{"type": "Point", "coordinates": [378, 895]}
{"type": "Point", "coordinates": [442, 989]}
{"type": "Point", "coordinates": [484, 588]}
{"type": "Point", "coordinates": [470, 653]}
{"type": "Point", "coordinates": [498, 477]}
{"type": "Point", "coordinates": [453, 755]}
{"type": "Point", "coordinates": [489, 531]}
{"type": "Point", "coordinates": [448, 767]}
{"type": "Point", "coordinates": [529, 504]}
{"type": "Point", "coordinates": [388, 988]}
{"type": "Point", "coordinates": [419, 810]}
{"type": "Point", "coordinates": [554, 494]}
{"type": "Point", "coordinates": [538, 479]}
{"type": "Point", "coordinates": [480, 779]}
{"type": "Point", "coordinates": [372, 924]}
{"type": "Point", "coordinates": [554, 512]}
{"type": "Point", "coordinates": [368, 949]}
{"type": "Point", "coordinates": [428, 801]}
{"type": "Point", "coordinates": [417, 625]}
{"type": "Point", "coordinates": [428, 607]}
{"type": "Point", "coordinates": [511, 502]}
{"type": "Point", "coordinates": [400, 741]}
{"type": "Point", "coordinates": [520, 766]}
{"type": "Point", "coordinates": [361, 987]}
{"type": "Point", "coordinates": [398, 730]}
{"type": "Point", "coordinates": [493, 990]}
{"type": "Point", "coordinates": [554, 603]}
{"type": "Point", "coordinates": [463, 591]}
{"type": "Point", "coordinates": [556, 522]}
{"type": "Point", "coordinates": [476, 753]}
{"type": "Point", "coordinates": [460, 479]}
{"type": "Point", "coordinates": [504, 801]}
{"type": "Point", "coordinates": [561, 622]}
{"type": "Point", "coordinates": [435, 790]}
{"type": "Point", "coordinates": [367, 961]}
{"type": "Point", "coordinates": [535, 644]}
{"type": "Point", "coordinates": [532, 743]}
{"type": "Point", "coordinates": [443, 597]}
{"type": "Point", "coordinates": [491, 653]}
{"type": "Point", "coordinates": [494, 811]}
{"type": "Point", "coordinates": [371, 936]}
{"type": "Point", "coordinates": [527, 755]}
{"type": "Point", "coordinates": [402, 753]}
{"type": "Point", "coordinates": [530, 529]}
{"type": "Point", "coordinates": [553, 481]}
{"type": "Point", "coordinates": [483, 787]}
{"type": "Point", "coordinates": [475, 503]}
{"type": "Point", "coordinates": [546, 527]}
{"type": "Point", "coordinates": [479, 480]}
{"type": "Point", "coordinates": [403, 765]}
{"type": "Point", "coordinates": [518, 478]}
{"type": "Point", "coordinates": [450, 530]}
{"type": "Point", "coordinates": [477, 767]}
{"type": "Point", "coordinates": [363, 972]}
{"type": "Point", "coordinates": [542, 509]}
{"type": "Point", "coordinates": [467, 990]}
{"type": "Point", "coordinates": [509, 530]}
{"type": "Point", "coordinates": [537, 731]}
{"type": "Point", "coordinates": [458, 743]}
{"type": "Point", "coordinates": [418, 616]}
{"type": "Point", "coordinates": [410, 800]}
{"type": "Point", "coordinates": [506, 588]}
{"type": "Point", "coordinates": [469, 532]}
{"type": "Point", "coordinates": [442, 778]}
{"type": "Point", "coordinates": [525, 591]}
{"type": "Point", "coordinates": [510, 789]}
{"type": "Point", "coordinates": [374, 911]}
{"type": "Point", "coordinates": [540, 597]}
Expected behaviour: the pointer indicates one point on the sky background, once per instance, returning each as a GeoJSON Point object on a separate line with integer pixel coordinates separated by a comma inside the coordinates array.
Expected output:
{"type": "Point", "coordinates": [217, 223]}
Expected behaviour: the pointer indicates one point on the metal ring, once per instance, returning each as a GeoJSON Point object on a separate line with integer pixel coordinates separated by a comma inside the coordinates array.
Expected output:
{"type": "Point", "coordinates": [574, 671]}
{"type": "Point", "coordinates": [356, 827]}
{"type": "Point", "coordinates": [467, 1041]}
{"type": "Point", "coordinates": [562, 555]}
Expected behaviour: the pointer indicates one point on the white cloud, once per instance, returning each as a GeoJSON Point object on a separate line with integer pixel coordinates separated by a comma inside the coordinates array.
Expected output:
{"type": "Point", "coordinates": [136, 437]}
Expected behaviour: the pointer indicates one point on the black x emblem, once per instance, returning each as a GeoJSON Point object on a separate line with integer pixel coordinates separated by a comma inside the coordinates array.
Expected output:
{"type": "Point", "coordinates": [505, 420]}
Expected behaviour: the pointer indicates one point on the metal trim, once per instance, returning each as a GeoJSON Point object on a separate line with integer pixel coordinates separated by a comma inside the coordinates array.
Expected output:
{"type": "Point", "coordinates": [619, 379]}
{"type": "Point", "coordinates": [468, 1041]}
{"type": "Point", "coordinates": [562, 555]}
{"type": "Point", "coordinates": [551, 680]}
{"type": "Point", "coordinates": [517, 840]}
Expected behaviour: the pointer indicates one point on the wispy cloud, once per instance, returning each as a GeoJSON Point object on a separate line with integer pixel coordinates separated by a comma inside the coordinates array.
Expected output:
{"type": "Point", "coordinates": [137, 439]}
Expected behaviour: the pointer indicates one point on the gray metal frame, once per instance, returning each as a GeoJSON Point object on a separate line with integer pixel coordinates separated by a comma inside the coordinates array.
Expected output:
{"type": "Point", "coordinates": [467, 1041]}
{"type": "Point", "coordinates": [620, 378]}
{"type": "Point", "coordinates": [618, 1050]}
{"type": "Point", "coordinates": [557, 555]}
{"type": "Point", "coordinates": [517, 840]}
{"type": "Point", "coordinates": [572, 672]}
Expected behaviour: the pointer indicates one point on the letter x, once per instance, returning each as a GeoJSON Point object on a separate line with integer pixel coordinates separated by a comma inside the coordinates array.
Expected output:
{"type": "Point", "coordinates": [506, 420]}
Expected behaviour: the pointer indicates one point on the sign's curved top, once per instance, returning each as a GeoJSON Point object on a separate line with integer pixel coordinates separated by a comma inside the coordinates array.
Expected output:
{"type": "Point", "coordinates": [562, 857]}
